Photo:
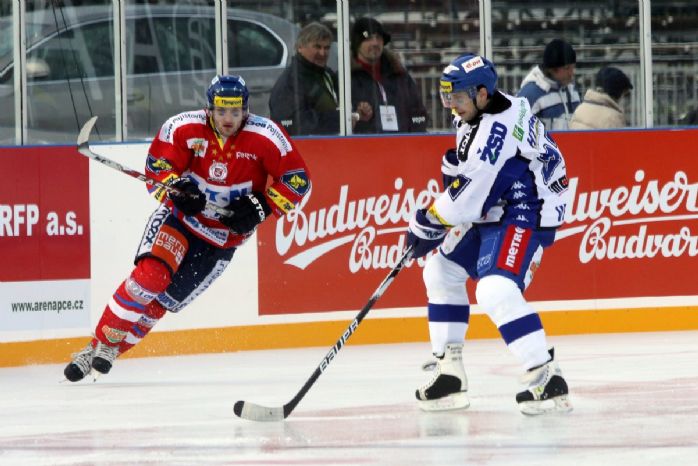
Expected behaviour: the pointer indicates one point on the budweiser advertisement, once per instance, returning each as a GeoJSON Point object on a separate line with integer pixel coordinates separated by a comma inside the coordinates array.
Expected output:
{"type": "Point", "coordinates": [631, 230]}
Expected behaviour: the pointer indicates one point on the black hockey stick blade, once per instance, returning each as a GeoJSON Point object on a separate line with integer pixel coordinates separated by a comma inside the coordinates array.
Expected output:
{"type": "Point", "coordinates": [255, 412]}
{"type": "Point", "coordinates": [84, 149]}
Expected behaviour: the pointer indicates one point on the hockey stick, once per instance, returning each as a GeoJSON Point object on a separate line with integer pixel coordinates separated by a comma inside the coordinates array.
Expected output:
{"type": "Point", "coordinates": [84, 149]}
{"type": "Point", "coordinates": [255, 412]}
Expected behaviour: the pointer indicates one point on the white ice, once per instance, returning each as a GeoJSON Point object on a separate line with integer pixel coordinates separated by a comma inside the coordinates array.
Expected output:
{"type": "Point", "coordinates": [635, 402]}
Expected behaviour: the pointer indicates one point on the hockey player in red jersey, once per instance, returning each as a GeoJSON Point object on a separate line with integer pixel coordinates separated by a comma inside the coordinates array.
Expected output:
{"type": "Point", "coordinates": [220, 156]}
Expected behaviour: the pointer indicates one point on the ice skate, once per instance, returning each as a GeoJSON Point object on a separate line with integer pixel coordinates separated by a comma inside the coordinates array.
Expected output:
{"type": "Point", "coordinates": [547, 390]}
{"type": "Point", "coordinates": [103, 358]}
{"type": "Point", "coordinates": [449, 386]}
{"type": "Point", "coordinates": [81, 365]}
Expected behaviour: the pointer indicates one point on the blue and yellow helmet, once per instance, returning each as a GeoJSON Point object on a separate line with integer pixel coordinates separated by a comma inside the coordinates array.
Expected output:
{"type": "Point", "coordinates": [466, 74]}
{"type": "Point", "coordinates": [228, 91]}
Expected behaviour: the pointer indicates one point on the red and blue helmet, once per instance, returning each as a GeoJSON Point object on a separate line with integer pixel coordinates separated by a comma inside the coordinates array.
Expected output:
{"type": "Point", "coordinates": [228, 91]}
{"type": "Point", "coordinates": [466, 74]}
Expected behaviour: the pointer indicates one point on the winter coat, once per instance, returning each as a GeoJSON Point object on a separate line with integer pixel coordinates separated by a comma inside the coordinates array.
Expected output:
{"type": "Point", "coordinates": [552, 104]}
{"type": "Point", "coordinates": [400, 91]}
{"type": "Point", "coordinates": [598, 111]}
{"type": "Point", "coordinates": [303, 101]}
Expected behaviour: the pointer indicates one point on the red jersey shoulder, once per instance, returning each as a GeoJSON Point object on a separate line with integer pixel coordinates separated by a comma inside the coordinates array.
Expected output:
{"type": "Point", "coordinates": [183, 124]}
{"type": "Point", "coordinates": [269, 132]}
{"type": "Point", "coordinates": [188, 130]}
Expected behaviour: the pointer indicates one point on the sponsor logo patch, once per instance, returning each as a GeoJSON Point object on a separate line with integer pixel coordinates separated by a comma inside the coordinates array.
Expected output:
{"type": "Point", "coordinates": [218, 171]}
{"type": "Point", "coordinates": [280, 201]}
{"type": "Point", "coordinates": [138, 293]}
{"type": "Point", "coordinates": [458, 186]}
{"type": "Point", "coordinates": [513, 249]}
{"type": "Point", "coordinates": [230, 102]}
{"type": "Point", "coordinates": [156, 165]}
{"type": "Point", "coordinates": [170, 246]}
{"type": "Point", "coordinates": [296, 181]}
{"type": "Point", "coordinates": [114, 335]}
{"type": "Point", "coordinates": [245, 155]}
{"type": "Point", "coordinates": [472, 64]}
{"type": "Point", "coordinates": [198, 146]}
{"type": "Point", "coordinates": [495, 142]}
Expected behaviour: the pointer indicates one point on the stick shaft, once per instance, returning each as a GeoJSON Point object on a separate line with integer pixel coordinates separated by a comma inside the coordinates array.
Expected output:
{"type": "Point", "coordinates": [256, 412]}
{"type": "Point", "coordinates": [329, 357]}
{"type": "Point", "coordinates": [84, 149]}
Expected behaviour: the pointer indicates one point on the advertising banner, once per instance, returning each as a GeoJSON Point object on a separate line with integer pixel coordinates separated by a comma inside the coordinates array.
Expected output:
{"type": "Point", "coordinates": [631, 230]}
{"type": "Point", "coordinates": [44, 238]}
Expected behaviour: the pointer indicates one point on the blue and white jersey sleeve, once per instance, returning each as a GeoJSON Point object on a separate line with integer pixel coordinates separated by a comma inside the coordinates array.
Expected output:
{"type": "Point", "coordinates": [510, 171]}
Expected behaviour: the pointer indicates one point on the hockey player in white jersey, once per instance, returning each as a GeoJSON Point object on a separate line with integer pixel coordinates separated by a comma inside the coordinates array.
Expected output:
{"type": "Point", "coordinates": [505, 196]}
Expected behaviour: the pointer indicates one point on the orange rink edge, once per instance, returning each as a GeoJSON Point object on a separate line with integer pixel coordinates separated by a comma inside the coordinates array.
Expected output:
{"type": "Point", "coordinates": [371, 331]}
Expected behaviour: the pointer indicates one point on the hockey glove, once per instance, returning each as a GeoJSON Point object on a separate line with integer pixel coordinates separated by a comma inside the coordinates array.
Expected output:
{"type": "Point", "coordinates": [248, 211]}
{"type": "Point", "coordinates": [423, 235]}
{"type": "Point", "coordinates": [449, 167]}
{"type": "Point", "coordinates": [188, 199]}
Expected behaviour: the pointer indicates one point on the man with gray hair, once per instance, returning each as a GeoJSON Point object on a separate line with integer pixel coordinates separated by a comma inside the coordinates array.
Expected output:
{"type": "Point", "coordinates": [305, 98]}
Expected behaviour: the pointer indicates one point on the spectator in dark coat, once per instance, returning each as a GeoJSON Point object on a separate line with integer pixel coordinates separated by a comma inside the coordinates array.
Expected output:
{"type": "Point", "coordinates": [383, 94]}
{"type": "Point", "coordinates": [305, 98]}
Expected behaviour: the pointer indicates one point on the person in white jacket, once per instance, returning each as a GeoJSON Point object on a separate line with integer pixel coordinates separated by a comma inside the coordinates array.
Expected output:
{"type": "Point", "coordinates": [601, 107]}
{"type": "Point", "coordinates": [549, 87]}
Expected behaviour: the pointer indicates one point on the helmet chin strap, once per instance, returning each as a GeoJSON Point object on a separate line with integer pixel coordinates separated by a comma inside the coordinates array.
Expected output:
{"type": "Point", "coordinates": [478, 112]}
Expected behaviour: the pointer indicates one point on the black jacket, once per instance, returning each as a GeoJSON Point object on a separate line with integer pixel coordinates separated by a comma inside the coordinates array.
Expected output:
{"type": "Point", "coordinates": [400, 89]}
{"type": "Point", "coordinates": [301, 100]}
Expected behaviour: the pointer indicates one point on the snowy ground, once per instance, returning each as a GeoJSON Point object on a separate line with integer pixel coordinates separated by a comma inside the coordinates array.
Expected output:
{"type": "Point", "coordinates": [635, 399]}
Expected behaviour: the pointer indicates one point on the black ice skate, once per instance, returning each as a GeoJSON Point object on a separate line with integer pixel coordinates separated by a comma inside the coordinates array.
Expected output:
{"type": "Point", "coordinates": [81, 365]}
{"type": "Point", "coordinates": [103, 358]}
{"type": "Point", "coordinates": [449, 386]}
{"type": "Point", "coordinates": [547, 390]}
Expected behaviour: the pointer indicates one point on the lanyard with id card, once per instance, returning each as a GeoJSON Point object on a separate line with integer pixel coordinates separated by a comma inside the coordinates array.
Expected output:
{"type": "Point", "coordinates": [388, 113]}
{"type": "Point", "coordinates": [388, 117]}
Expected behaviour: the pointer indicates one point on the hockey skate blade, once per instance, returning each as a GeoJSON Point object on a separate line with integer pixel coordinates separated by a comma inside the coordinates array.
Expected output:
{"type": "Point", "coordinates": [559, 404]}
{"type": "Point", "coordinates": [254, 412]}
{"type": "Point", "coordinates": [458, 400]}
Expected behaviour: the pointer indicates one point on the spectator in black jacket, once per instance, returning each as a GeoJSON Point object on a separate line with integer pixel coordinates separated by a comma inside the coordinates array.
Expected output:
{"type": "Point", "coordinates": [305, 98]}
{"type": "Point", "coordinates": [383, 94]}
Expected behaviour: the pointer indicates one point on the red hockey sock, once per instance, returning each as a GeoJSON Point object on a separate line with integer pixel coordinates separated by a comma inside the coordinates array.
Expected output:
{"type": "Point", "coordinates": [153, 313]}
{"type": "Point", "coordinates": [130, 303]}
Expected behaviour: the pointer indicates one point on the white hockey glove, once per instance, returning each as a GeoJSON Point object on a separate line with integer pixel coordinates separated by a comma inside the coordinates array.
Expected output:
{"type": "Point", "coordinates": [423, 234]}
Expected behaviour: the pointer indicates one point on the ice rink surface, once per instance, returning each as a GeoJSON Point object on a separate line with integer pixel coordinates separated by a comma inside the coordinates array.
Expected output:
{"type": "Point", "coordinates": [635, 398]}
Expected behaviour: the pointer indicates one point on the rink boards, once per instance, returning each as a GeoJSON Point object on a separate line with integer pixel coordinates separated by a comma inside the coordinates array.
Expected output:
{"type": "Point", "coordinates": [622, 262]}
